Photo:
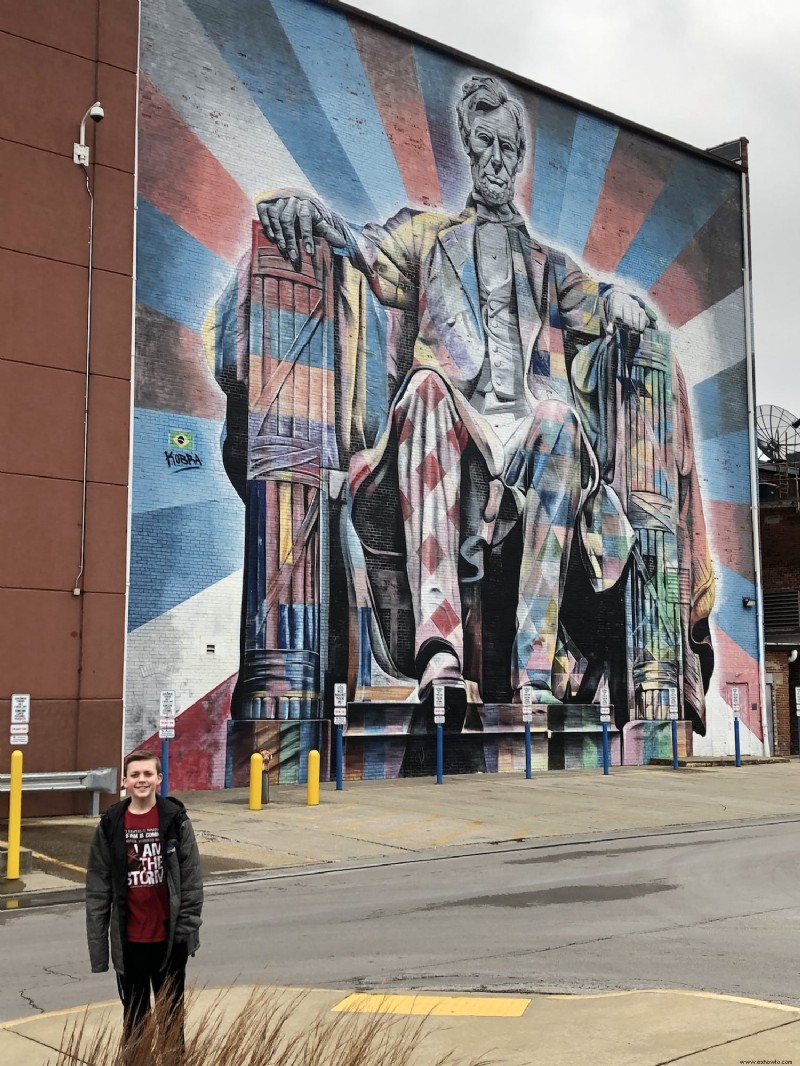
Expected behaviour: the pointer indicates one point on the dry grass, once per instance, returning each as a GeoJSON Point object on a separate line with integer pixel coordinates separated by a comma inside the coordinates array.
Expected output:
{"type": "Point", "coordinates": [263, 1032]}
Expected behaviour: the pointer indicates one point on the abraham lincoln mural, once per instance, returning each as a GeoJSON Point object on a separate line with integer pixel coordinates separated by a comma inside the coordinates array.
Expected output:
{"type": "Point", "coordinates": [527, 512]}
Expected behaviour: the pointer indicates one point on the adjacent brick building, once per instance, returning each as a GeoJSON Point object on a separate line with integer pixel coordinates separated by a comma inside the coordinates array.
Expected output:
{"type": "Point", "coordinates": [65, 650]}
{"type": "Point", "coordinates": [780, 559]}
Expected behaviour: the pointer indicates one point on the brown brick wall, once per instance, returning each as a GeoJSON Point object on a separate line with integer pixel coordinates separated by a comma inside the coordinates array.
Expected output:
{"type": "Point", "coordinates": [56, 59]}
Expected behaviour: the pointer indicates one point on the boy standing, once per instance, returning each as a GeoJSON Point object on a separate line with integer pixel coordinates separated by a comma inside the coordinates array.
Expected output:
{"type": "Point", "coordinates": [144, 887]}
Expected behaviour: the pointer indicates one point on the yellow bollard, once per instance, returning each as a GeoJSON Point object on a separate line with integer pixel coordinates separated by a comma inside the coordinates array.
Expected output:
{"type": "Point", "coordinates": [313, 779]}
{"type": "Point", "coordinates": [256, 770]}
{"type": "Point", "coordinates": [14, 816]}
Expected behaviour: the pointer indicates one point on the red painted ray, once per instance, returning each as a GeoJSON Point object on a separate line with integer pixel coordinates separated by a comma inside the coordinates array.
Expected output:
{"type": "Point", "coordinates": [190, 388]}
{"type": "Point", "coordinates": [197, 754]}
{"type": "Point", "coordinates": [731, 535]}
{"type": "Point", "coordinates": [390, 68]}
{"type": "Point", "coordinates": [732, 665]}
{"type": "Point", "coordinates": [707, 270]}
{"type": "Point", "coordinates": [634, 179]}
{"type": "Point", "coordinates": [185, 181]}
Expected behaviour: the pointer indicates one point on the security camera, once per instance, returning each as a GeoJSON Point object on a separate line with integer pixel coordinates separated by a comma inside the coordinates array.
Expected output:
{"type": "Point", "coordinates": [80, 151]}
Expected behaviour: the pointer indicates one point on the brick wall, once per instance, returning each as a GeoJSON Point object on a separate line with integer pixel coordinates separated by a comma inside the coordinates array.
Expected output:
{"type": "Point", "coordinates": [65, 650]}
{"type": "Point", "coordinates": [783, 704]}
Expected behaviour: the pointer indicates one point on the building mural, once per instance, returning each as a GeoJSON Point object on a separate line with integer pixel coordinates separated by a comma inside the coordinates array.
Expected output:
{"type": "Point", "coordinates": [440, 381]}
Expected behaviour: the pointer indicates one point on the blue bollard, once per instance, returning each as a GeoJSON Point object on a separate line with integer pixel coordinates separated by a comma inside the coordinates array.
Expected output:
{"type": "Point", "coordinates": [164, 767]}
{"type": "Point", "coordinates": [674, 725]}
{"type": "Point", "coordinates": [737, 746]}
{"type": "Point", "coordinates": [528, 750]}
{"type": "Point", "coordinates": [606, 752]}
{"type": "Point", "coordinates": [339, 758]}
{"type": "Point", "coordinates": [439, 753]}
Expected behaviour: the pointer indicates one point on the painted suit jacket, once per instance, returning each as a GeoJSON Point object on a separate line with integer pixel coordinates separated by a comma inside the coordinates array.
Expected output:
{"type": "Point", "coordinates": [423, 264]}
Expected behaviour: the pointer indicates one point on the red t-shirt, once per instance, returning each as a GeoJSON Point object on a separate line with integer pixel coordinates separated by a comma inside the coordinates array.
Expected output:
{"type": "Point", "coordinates": [148, 902]}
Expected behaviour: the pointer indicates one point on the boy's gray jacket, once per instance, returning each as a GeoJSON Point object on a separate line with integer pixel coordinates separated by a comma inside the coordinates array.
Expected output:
{"type": "Point", "coordinates": [107, 883]}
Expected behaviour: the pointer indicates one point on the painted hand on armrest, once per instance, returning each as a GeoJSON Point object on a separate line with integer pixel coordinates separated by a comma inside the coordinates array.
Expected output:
{"type": "Point", "coordinates": [292, 221]}
{"type": "Point", "coordinates": [627, 311]}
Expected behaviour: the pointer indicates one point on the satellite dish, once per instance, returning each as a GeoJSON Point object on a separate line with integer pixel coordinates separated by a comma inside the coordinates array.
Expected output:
{"type": "Point", "coordinates": [778, 434]}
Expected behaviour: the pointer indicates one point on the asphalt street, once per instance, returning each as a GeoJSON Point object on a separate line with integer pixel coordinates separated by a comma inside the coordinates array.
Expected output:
{"type": "Point", "coordinates": [697, 907]}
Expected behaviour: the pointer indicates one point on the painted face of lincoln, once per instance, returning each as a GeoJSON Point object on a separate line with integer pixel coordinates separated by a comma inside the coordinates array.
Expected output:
{"type": "Point", "coordinates": [495, 154]}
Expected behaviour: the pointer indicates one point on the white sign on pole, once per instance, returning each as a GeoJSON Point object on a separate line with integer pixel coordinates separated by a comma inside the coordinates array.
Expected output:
{"type": "Point", "coordinates": [605, 697]}
{"type": "Point", "coordinates": [527, 696]}
{"type": "Point", "coordinates": [797, 700]}
{"type": "Point", "coordinates": [673, 704]}
{"type": "Point", "coordinates": [527, 714]}
{"type": "Point", "coordinates": [20, 707]}
{"type": "Point", "coordinates": [438, 715]}
{"type": "Point", "coordinates": [438, 696]}
{"type": "Point", "coordinates": [340, 694]}
{"type": "Point", "coordinates": [19, 729]}
{"type": "Point", "coordinates": [736, 701]}
{"type": "Point", "coordinates": [16, 741]}
{"type": "Point", "coordinates": [605, 714]}
{"type": "Point", "coordinates": [167, 704]}
{"type": "Point", "coordinates": [166, 729]}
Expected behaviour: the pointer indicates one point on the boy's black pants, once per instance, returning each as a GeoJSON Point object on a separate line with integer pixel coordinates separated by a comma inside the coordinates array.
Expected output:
{"type": "Point", "coordinates": [143, 970]}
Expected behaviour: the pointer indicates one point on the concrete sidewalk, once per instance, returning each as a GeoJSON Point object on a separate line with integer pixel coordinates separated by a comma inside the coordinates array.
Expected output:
{"type": "Point", "coordinates": [648, 1028]}
{"type": "Point", "coordinates": [376, 822]}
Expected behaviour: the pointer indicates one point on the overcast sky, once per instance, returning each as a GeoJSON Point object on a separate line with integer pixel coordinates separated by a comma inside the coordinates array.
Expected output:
{"type": "Point", "coordinates": [704, 71]}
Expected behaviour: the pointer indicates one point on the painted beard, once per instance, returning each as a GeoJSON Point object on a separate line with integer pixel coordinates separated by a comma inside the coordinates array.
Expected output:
{"type": "Point", "coordinates": [490, 191]}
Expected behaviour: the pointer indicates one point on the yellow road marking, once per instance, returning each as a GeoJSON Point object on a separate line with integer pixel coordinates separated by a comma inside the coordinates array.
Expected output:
{"type": "Point", "coordinates": [48, 858]}
{"type": "Point", "coordinates": [410, 825]}
{"type": "Point", "coordinates": [438, 841]}
{"type": "Point", "coordinates": [359, 823]}
{"type": "Point", "coordinates": [433, 1006]}
{"type": "Point", "coordinates": [58, 862]}
{"type": "Point", "coordinates": [64, 1013]}
{"type": "Point", "coordinates": [675, 992]}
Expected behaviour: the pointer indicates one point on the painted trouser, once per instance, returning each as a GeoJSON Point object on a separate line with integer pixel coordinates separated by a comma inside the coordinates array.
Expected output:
{"type": "Point", "coordinates": [543, 473]}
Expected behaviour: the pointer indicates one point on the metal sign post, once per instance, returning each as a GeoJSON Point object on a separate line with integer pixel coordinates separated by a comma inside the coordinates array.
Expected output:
{"type": "Point", "coordinates": [673, 718]}
{"type": "Point", "coordinates": [339, 723]}
{"type": "Point", "coordinates": [527, 716]}
{"type": "Point", "coordinates": [166, 731]}
{"type": "Point", "coordinates": [438, 718]}
{"type": "Point", "coordinates": [737, 743]}
{"type": "Point", "coordinates": [605, 719]}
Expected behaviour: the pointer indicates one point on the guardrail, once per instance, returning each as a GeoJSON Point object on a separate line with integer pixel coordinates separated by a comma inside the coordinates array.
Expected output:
{"type": "Point", "coordinates": [103, 779]}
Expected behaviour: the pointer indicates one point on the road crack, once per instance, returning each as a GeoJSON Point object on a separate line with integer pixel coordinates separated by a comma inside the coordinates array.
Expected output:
{"type": "Point", "coordinates": [729, 1043]}
{"type": "Point", "coordinates": [23, 995]}
{"type": "Point", "coordinates": [60, 973]}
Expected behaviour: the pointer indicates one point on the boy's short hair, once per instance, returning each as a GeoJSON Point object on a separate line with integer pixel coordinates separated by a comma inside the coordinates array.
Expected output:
{"type": "Point", "coordinates": [141, 756]}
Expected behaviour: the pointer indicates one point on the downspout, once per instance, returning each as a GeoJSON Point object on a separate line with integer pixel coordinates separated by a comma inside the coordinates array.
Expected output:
{"type": "Point", "coordinates": [77, 588]}
{"type": "Point", "coordinates": [132, 409]}
{"type": "Point", "coordinates": [754, 509]}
